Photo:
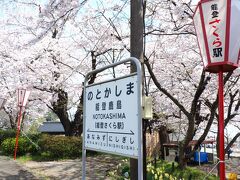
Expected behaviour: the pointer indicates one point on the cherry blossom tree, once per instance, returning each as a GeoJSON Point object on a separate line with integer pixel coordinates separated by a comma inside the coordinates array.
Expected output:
{"type": "Point", "coordinates": [57, 44]}
{"type": "Point", "coordinates": [49, 46]}
{"type": "Point", "coordinates": [181, 78]}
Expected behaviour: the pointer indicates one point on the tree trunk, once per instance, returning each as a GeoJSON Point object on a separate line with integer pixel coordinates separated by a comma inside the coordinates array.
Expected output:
{"type": "Point", "coordinates": [182, 159]}
{"type": "Point", "coordinates": [78, 118]}
{"type": "Point", "coordinates": [164, 138]}
{"type": "Point", "coordinates": [232, 142]}
{"type": "Point", "coordinates": [12, 119]}
{"type": "Point", "coordinates": [60, 108]}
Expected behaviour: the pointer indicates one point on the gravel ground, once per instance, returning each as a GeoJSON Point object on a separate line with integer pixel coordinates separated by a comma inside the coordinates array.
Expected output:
{"type": "Point", "coordinates": [97, 168]}
{"type": "Point", "coordinates": [11, 170]}
{"type": "Point", "coordinates": [232, 166]}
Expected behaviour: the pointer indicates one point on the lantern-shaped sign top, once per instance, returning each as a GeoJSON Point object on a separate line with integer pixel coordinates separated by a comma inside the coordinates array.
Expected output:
{"type": "Point", "coordinates": [217, 26]}
{"type": "Point", "coordinates": [23, 95]}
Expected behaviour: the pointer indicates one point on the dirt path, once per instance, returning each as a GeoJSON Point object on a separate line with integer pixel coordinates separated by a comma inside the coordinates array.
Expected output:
{"type": "Point", "coordinates": [72, 169]}
{"type": "Point", "coordinates": [11, 170]}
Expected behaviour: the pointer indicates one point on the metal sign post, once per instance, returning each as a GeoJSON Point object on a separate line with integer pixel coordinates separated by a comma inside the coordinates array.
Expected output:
{"type": "Point", "coordinates": [113, 116]}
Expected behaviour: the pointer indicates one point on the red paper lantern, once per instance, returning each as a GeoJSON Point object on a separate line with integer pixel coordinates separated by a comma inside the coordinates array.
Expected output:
{"type": "Point", "coordinates": [217, 24]}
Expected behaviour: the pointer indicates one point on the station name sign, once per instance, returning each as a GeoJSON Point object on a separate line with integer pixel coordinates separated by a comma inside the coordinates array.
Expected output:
{"type": "Point", "coordinates": [111, 117]}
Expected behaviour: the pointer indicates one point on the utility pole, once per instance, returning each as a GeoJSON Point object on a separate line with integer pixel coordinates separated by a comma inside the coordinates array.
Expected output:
{"type": "Point", "coordinates": [136, 46]}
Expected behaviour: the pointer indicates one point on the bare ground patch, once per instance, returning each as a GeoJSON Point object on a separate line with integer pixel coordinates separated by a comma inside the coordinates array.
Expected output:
{"type": "Point", "coordinates": [97, 168]}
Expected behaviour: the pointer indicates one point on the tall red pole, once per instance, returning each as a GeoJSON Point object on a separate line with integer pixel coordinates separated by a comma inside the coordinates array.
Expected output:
{"type": "Point", "coordinates": [18, 132]}
{"type": "Point", "coordinates": [221, 126]}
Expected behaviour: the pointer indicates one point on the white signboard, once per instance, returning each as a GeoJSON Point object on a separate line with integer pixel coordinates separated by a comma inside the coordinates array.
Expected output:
{"type": "Point", "coordinates": [111, 117]}
{"type": "Point", "coordinates": [23, 96]}
{"type": "Point", "coordinates": [214, 13]}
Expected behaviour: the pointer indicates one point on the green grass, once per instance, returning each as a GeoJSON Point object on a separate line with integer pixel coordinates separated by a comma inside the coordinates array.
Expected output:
{"type": "Point", "coordinates": [24, 159]}
{"type": "Point", "coordinates": [39, 158]}
{"type": "Point", "coordinates": [45, 157]}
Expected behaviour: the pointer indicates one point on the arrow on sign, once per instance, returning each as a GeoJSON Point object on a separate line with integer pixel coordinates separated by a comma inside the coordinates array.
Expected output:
{"type": "Point", "coordinates": [130, 133]}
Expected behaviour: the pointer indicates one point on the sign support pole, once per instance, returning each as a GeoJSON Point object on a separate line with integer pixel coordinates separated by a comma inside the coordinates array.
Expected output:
{"type": "Point", "coordinates": [18, 132]}
{"type": "Point", "coordinates": [221, 126]}
{"type": "Point", "coordinates": [23, 95]}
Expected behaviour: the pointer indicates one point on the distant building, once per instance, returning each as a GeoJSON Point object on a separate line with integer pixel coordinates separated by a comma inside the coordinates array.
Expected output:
{"type": "Point", "coordinates": [52, 127]}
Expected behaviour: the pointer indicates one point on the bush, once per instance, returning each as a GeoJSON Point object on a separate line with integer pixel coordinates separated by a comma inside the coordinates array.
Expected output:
{"type": "Point", "coordinates": [24, 146]}
{"type": "Point", "coordinates": [34, 137]}
{"type": "Point", "coordinates": [50, 147]}
{"type": "Point", "coordinates": [4, 134]}
{"type": "Point", "coordinates": [55, 147]}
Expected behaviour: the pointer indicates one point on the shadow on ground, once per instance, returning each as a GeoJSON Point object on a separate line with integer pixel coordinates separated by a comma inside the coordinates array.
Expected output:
{"type": "Point", "coordinates": [19, 175]}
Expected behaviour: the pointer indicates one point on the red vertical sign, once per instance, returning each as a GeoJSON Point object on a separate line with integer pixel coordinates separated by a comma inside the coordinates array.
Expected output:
{"type": "Point", "coordinates": [23, 95]}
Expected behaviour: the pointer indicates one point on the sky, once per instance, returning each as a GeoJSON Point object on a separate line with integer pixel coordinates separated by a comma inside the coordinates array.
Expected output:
{"type": "Point", "coordinates": [8, 7]}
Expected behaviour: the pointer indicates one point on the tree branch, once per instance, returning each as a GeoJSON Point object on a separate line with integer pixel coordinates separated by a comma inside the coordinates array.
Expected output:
{"type": "Point", "coordinates": [164, 91]}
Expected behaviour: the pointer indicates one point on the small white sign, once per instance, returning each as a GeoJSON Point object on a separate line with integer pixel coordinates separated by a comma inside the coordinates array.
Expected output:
{"type": "Point", "coordinates": [23, 96]}
{"type": "Point", "coordinates": [111, 117]}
